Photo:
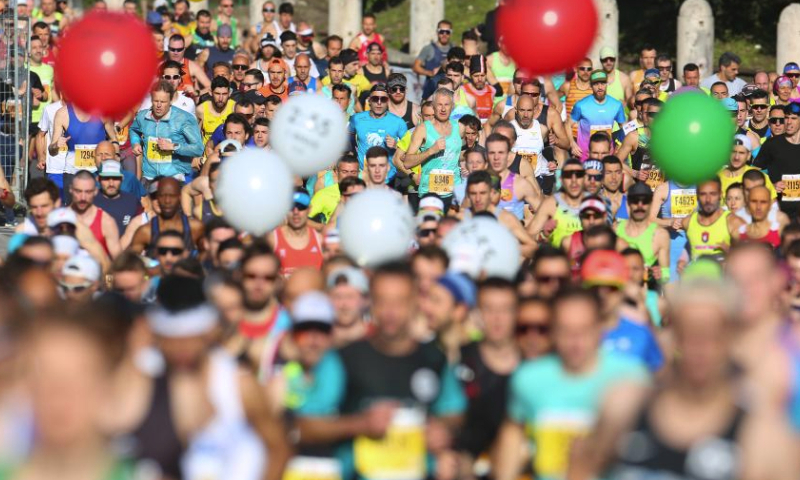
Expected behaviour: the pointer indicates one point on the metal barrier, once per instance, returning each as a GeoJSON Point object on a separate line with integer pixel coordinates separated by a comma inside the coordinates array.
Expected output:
{"type": "Point", "coordinates": [15, 98]}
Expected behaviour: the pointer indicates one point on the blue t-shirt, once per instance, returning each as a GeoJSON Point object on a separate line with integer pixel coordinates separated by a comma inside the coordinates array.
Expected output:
{"type": "Point", "coordinates": [592, 117]}
{"type": "Point", "coordinates": [132, 185]}
{"type": "Point", "coordinates": [371, 132]}
{"type": "Point", "coordinates": [558, 407]}
{"type": "Point", "coordinates": [635, 340]}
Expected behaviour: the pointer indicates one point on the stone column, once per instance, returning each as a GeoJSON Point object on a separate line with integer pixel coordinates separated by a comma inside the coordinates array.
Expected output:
{"type": "Point", "coordinates": [425, 14]}
{"type": "Point", "coordinates": [344, 19]}
{"type": "Point", "coordinates": [788, 36]}
{"type": "Point", "coordinates": [607, 29]}
{"type": "Point", "coordinates": [696, 37]}
{"type": "Point", "coordinates": [197, 6]}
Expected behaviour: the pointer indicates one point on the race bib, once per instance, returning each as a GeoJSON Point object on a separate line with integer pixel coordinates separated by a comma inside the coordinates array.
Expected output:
{"type": "Point", "coordinates": [84, 157]}
{"type": "Point", "coordinates": [553, 436]}
{"type": "Point", "coordinates": [791, 189]}
{"type": "Point", "coordinates": [312, 468]}
{"type": "Point", "coordinates": [441, 182]}
{"type": "Point", "coordinates": [683, 202]}
{"type": "Point", "coordinates": [154, 154]}
{"type": "Point", "coordinates": [601, 128]}
{"type": "Point", "coordinates": [400, 455]}
{"type": "Point", "coordinates": [655, 177]}
{"type": "Point", "coordinates": [531, 158]}
{"type": "Point", "coordinates": [629, 127]}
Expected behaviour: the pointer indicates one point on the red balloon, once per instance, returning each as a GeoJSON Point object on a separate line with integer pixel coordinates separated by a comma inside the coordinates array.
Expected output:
{"type": "Point", "coordinates": [546, 37]}
{"type": "Point", "coordinates": [106, 63]}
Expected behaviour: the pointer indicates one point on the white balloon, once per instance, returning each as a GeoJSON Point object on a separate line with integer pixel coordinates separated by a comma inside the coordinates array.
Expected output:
{"type": "Point", "coordinates": [376, 226]}
{"type": "Point", "coordinates": [255, 190]}
{"type": "Point", "coordinates": [483, 246]}
{"type": "Point", "coordinates": [309, 132]}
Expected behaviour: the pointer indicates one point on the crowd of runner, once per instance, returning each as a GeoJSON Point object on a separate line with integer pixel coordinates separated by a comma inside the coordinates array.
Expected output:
{"type": "Point", "coordinates": [651, 332]}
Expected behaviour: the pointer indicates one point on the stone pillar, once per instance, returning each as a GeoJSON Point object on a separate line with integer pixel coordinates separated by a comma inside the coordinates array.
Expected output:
{"type": "Point", "coordinates": [196, 6]}
{"type": "Point", "coordinates": [344, 19]}
{"type": "Point", "coordinates": [425, 14]}
{"type": "Point", "coordinates": [607, 29]}
{"type": "Point", "coordinates": [696, 37]}
{"type": "Point", "coordinates": [788, 36]}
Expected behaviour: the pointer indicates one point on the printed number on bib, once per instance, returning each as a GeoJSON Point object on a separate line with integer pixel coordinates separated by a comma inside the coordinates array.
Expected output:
{"type": "Point", "coordinates": [683, 202]}
{"type": "Point", "coordinates": [791, 188]}
{"type": "Point", "coordinates": [154, 154]}
{"type": "Point", "coordinates": [312, 468]}
{"type": "Point", "coordinates": [84, 156]}
{"type": "Point", "coordinates": [532, 158]}
{"type": "Point", "coordinates": [400, 455]}
{"type": "Point", "coordinates": [601, 128]}
{"type": "Point", "coordinates": [441, 182]}
{"type": "Point", "coordinates": [655, 177]}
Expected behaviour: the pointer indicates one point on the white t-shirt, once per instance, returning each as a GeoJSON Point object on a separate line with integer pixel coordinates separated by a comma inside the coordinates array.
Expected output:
{"type": "Point", "coordinates": [57, 164]}
{"type": "Point", "coordinates": [313, 73]}
{"type": "Point", "coordinates": [182, 102]}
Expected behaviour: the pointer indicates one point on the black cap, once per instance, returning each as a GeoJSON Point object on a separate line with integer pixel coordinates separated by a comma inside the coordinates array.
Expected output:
{"type": "Point", "coordinates": [640, 189]}
{"type": "Point", "coordinates": [348, 55]}
{"type": "Point", "coordinates": [255, 97]}
{"type": "Point", "coordinates": [288, 36]}
{"type": "Point", "coordinates": [379, 87]}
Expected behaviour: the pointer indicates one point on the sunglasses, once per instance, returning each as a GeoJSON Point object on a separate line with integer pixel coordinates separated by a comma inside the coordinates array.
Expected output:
{"type": "Point", "coordinates": [174, 251]}
{"type": "Point", "coordinates": [793, 75]}
{"type": "Point", "coordinates": [664, 69]}
{"type": "Point", "coordinates": [638, 200]}
{"type": "Point", "coordinates": [251, 84]}
{"type": "Point", "coordinates": [608, 59]}
{"type": "Point", "coordinates": [571, 174]}
{"type": "Point", "coordinates": [268, 10]}
{"type": "Point", "coordinates": [444, 31]}
{"type": "Point", "coordinates": [379, 99]}
{"type": "Point", "coordinates": [550, 279]}
{"type": "Point", "coordinates": [597, 177]}
{"type": "Point", "coordinates": [177, 50]}
{"type": "Point", "coordinates": [532, 95]}
{"type": "Point", "coordinates": [591, 216]}
{"type": "Point", "coordinates": [585, 69]}
{"type": "Point", "coordinates": [523, 329]}
{"type": "Point", "coordinates": [398, 89]}
{"type": "Point", "coordinates": [652, 114]}
{"type": "Point", "coordinates": [77, 288]}
{"type": "Point", "coordinates": [254, 276]}
{"type": "Point", "coordinates": [758, 107]}
{"type": "Point", "coordinates": [239, 66]}
{"type": "Point", "coordinates": [300, 206]}
{"type": "Point", "coordinates": [426, 232]}
{"type": "Point", "coordinates": [777, 120]}
{"type": "Point", "coordinates": [171, 77]}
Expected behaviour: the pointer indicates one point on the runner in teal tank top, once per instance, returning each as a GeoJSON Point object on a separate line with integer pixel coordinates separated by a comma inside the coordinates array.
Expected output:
{"type": "Point", "coordinates": [442, 168]}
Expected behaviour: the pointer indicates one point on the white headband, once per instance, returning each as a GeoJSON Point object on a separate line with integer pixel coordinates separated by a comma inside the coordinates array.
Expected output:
{"type": "Point", "coordinates": [186, 323]}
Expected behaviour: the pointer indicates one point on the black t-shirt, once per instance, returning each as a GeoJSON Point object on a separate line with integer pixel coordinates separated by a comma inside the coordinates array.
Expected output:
{"type": "Point", "coordinates": [122, 208]}
{"type": "Point", "coordinates": [216, 55]}
{"type": "Point", "coordinates": [780, 158]}
{"type": "Point", "coordinates": [487, 394]}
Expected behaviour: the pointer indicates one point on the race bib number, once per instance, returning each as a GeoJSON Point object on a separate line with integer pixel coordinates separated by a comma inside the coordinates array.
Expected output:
{"type": "Point", "coordinates": [791, 188]}
{"type": "Point", "coordinates": [531, 158]}
{"type": "Point", "coordinates": [655, 177]}
{"type": "Point", "coordinates": [441, 182]}
{"type": "Point", "coordinates": [601, 128]}
{"type": "Point", "coordinates": [84, 157]}
{"type": "Point", "coordinates": [400, 455]}
{"type": "Point", "coordinates": [553, 437]}
{"type": "Point", "coordinates": [154, 154]}
{"type": "Point", "coordinates": [629, 127]}
{"type": "Point", "coordinates": [683, 202]}
{"type": "Point", "coordinates": [312, 468]}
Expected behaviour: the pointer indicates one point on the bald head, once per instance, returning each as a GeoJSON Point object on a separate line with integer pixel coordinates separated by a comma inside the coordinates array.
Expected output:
{"type": "Point", "coordinates": [104, 151]}
{"type": "Point", "coordinates": [301, 281]}
{"type": "Point", "coordinates": [525, 110]}
{"type": "Point", "coordinates": [168, 195]}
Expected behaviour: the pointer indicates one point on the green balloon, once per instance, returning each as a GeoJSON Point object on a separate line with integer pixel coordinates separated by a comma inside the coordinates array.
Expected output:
{"type": "Point", "coordinates": [692, 138]}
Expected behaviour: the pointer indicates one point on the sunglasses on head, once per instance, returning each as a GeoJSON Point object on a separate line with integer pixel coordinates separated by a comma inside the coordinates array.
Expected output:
{"type": "Point", "coordinates": [531, 94]}
{"type": "Point", "coordinates": [777, 120]}
{"type": "Point", "coordinates": [522, 329]}
{"type": "Point", "coordinates": [379, 99]}
{"type": "Point", "coordinates": [171, 77]}
{"type": "Point", "coordinates": [573, 174]}
{"type": "Point", "coordinates": [174, 251]}
{"type": "Point", "coordinates": [239, 66]}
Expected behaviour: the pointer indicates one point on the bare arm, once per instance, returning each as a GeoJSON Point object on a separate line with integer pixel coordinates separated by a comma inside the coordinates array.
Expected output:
{"type": "Point", "coordinates": [111, 235]}
{"type": "Point", "coordinates": [130, 230]}
{"type": "Point", "coordinates": [420, 70]}
{"type": "Point", "coordinates": [555, 124]}
{"type": "Point", "coordinates": [60, 125]}
{"type": "Point", "coordinates": [141, 239]}
{"type": "Point", "coordinates": [543, 214]}
{"type": "Point", "coordinates": [527, 244]}
{"type": "Point", "coordinates": [199, 75]}
{"type": "Point", "coordinates": [266, 425]}
{"type": "Point", "coordinates": [413, 157]}
{"type": "Point", "coordinates": [506, 458]}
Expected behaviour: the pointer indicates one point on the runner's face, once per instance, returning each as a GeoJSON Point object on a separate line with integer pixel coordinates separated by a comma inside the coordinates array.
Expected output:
{"type": "Point", "coordinates": [498, 309]}
{"type": "Point", "coordinates": [470, 135]}
{"type": "Point", "coordinates": [235, 131]}
{"type": "Point", "coordinates": [741, 113]}
{"type": "Point", "coordinates": [442, 106]}
{"type": "Point", "coordinates": [708, 196]}
{"type": "Point", "coordinates": [665, 70]}
{"type": "Point", "coordinates": [480, 196]}
{"type": "Point", "coordinates": [719, 91]}
{"type": "Point", "coordinates": [525, 108]}
{"type": "Point", "coordinates": [378, 168]}
{"type": "Point", "coordinates": [784, 92]}
{"type": "Point", "coordinates": [759, 203]}
{"type": "Point", "coordinates": [223, 72]}
{"type": "Point", "coordinates": [347, 169]}
{"type": "Point", "coordinates": [730, 72]}
{"type": "Point", "coordinates": [762, 81]}
{"type": "Point", "coordinates": [48, 7]}
{"type": "Point", "coordinates": [336, 72]}
{"type": "Point", "coordinates": [437, 307]}
{"type": "Point", "coordinates": [268, 12]}
{"type": "Point", "coordinates": [248, 112]}
{"type": "Point", "coordinates": [368, 25]}
{"type": "Point", "coordinates": [455, 77]}
{"type": "Point", "coordinates": [40, 206]}
{"type": "Point", "coordinates": [311, 343]}
{"type": "Point", "coordinates": [635, 268]}
{"type": "Point", "coordinates": [608, 64]}
{"type": "Point", "coordinates": [184, 353]}
{"type": "Point", "coordinates": [692, 78]}
{"type": "Point", "coordinates": [250, 83]}
{"type": "Point", "coordinates": [393, 306]}
{"type": "Point", "coordinates": [739, 157]}
{"type": "Point", "coordinates": [599, 150]}
{"type": "Point", "coordinates": [379, 103]}
{"type": "Point", "coordinates": [576, 332]}
{"type": "Point", "coordinates": [479, 80]}
{"type": "Point", "coordinates": [428, 114]}
{"type": "Point", "coordinates": [298, 217]}
{"type": "Point", "coordinates": [777, 128]}
{"type": "Point", "coordinates": [276, 76]}
{"type": "Point", "coordinates": [261, 136]}
{"type": "Point", "coordinates": [168, 196]}
{"type": "Point", "coordinates": [303, 67]}
{"type": "Point", "coordinates": [533, 329]}
{"type": "Point", "coordinates": [599, 90]}
{"type": "Point", "coordinates": [497, 152]}
{"type": "Point", "coordinates": [289, 48]}
{"type": "Point", "coordinates": [43, 34]}
{"type": "Point", "coordinates": [650, 112]}
{"type": "Point", "coordinates": [584, 71]}
{"type": "Point", "coordinates": [792, 124]}
{"type": "Point", "coordinates": [375, 57]}
{"type": "Point", "coordinates": [612, 177]}
{"type": "Point", "coordinates": [760, 109]}
{"type": "Point", "coordinates": [169, 250]}
{"type": "Point", "coordinates": [286, 20]}
{"type": "Point", "coordinates": [734, 199]}
{"type": "Point", "coordinates": [131, 285]}
{"type": "Point", "coordinates": [348, 303]}
{"type": "Point", "coordinates": [239, 74]}
{"type": "Point", "coordinates": [173, 76]}
{"type": "Point", "coordinates": [573, 182]}
{"type": "Point", "coordinates": [647, 59]}
{"type": "Point", "coordinates": [104, 151]}
{"type": "Point", "coordinates": [639, 105]}
{"type": "Point", "coordinates": [351, 68]}
{"type": "Point", "coordinates": [110, 186]}
{"type": "Point", "coordinates": [37, 51]}
{"type": "Point", "coordinates": [594, 180]}
{"type": "Point", "coordinates": [334, 49]}
{"type": "Point", "coordinates": [203, 25]}
{"type": "Point", "coordinates": [590, 218]}
{"type": "Point", "coordinates": [83, 192]}
{"type": "Point", "coordinates": [177, 49]}
{"type": "Point", "coordinates": [259, 281]}
{"type": "Point", "coordinates": [341, 99]}
{"type": "Point", "coordinates": [221, 96]}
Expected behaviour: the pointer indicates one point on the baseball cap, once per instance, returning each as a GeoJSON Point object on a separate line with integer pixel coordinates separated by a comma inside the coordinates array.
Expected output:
{"type": "Point", "coordinates": [791, 67]}
{"type": "Point", "coordinates": [110, 169]}
{"type": "Point", "coordinates": [348, 55]}
{"type": "Point", "coordinates": [351, 276]}
{"type": "Point", "coordinates": [652, 72]}
{"type": "Point", "coordinates": [268, 39]}
{"type": "Point", "coordinates": [313, 308]}
{"type": "Point", "coordinates": [431, 204]}
{"type": "Point", "coordinates": [301, 198]}
{"type": "Point", "coordinates": [306, 32]}
{"type": "Point", "coordinates": [477, 64]}
{"type": "Point", "coordinates": [66, 245]}
{"type": "Point", "coordinates": [154, 18]}
{"type": "Point", "coordinates": [255, 97]}
{"type": "Point", "coordinates": [22, 2]}
{"type": "Point", "coordinates": [82, 266]}
{"type": "Point", "coordinates": [607, 52]}
{"type": "Point", "coordinates": [396, 80]}
{"type": "Point", "coordinates": [379, 87]}
{"type": "Point", "coordinates": [744, 141]}
{"type": "Point", "coordinates": [593, 203]}
{"type": "Point", "coordinates": [223, 145]}
{"type": "Point", "coordinates": [598, 76]}
{"type": "Point", "coordinates": [593, 165]}
{"type": "Point", "coordinates": [61, 215]}
{"type": "Point", "coordinates": [604, 268]}
{"type": "Point", "coordinates": [730, 104]}
{"type": "Point", "coordinates": [640, 189]}
{"type": "Point", "coordinates": [460, 287]}
{"type": "Point", "coordinates": [224, 31]}
{"type": "Point", "coordinates": [793, 108]}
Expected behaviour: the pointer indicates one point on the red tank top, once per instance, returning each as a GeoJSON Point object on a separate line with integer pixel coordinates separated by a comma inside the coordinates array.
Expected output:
{"type": "Point", "coordinates": [484, 101]}
{"type": "Point", "coordinates": [97, 229]}
{"type": "Point", "coordinates": [186, 79]}
{"type": "Point", "coordinates": [365, 41]}
{"type": "Point", "coordinates": [773, 237]}
{"type": "Point", "coordinates": [292, 259]}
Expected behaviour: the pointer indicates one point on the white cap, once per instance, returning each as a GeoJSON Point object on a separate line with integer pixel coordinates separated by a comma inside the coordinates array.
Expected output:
{"type": "Point", "coordinates": [744, 141]}
{"type": "Point", "coordinates": [82, 266]}
{"type": "Point", "coordinates": [110, 169]}
{"type": "Point", "coordinates": [66, 245]}
{"type": "Point", "coordinates": [352, 276]}
{"type": "Point", "coordinates": [431, 202]}
{"type": "Point", "coordinates": [313, 307]}
{"type": "Point", "coordinates": [61, 215]}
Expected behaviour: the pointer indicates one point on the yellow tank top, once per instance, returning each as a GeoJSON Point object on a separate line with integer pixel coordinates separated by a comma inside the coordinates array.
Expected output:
{"type": "Point", "coordinates": [703, 240]}
{"type": "Point", "coordinates": [575, 95]}
{"type": "Point", "coordinates": [212, 120]}
{"type": "Point", "coordinates": [567, 223]}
